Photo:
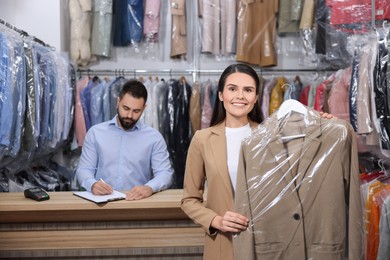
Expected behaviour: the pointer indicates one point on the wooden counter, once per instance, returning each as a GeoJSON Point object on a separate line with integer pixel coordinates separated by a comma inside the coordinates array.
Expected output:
{"type": "Point", "coordinates": [67, 227]}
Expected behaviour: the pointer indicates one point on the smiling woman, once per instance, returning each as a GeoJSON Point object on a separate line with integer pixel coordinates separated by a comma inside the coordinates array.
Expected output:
{"type": "Point", "coordinates": [238, 97]}
{"type": "Point", "coordinates": [234, 77]}
{"type": "Point", "coordinates": [213, 156]}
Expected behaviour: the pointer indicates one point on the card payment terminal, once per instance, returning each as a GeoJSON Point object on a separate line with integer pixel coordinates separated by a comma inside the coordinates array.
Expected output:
{"type": "Point", "coordinates": [36, 193]}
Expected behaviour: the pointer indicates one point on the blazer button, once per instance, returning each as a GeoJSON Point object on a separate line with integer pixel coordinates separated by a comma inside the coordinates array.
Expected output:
{"type": "Point", "coordinates": [296, 216]}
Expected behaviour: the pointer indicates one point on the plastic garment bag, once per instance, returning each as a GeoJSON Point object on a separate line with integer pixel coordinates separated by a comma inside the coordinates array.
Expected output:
{"type": "Point", "coordinates": [101, 28]}
{"type": "Point", "coordinates": [298, 183]}
{"type": "Point", "coordinates": [384, 231]}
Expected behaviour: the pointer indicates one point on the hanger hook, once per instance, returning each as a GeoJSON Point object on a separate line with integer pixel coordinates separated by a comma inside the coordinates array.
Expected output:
{"type": "Point", "coordinates": [381, 165]}
{"type": "Point", "coordinates": [291, 89]}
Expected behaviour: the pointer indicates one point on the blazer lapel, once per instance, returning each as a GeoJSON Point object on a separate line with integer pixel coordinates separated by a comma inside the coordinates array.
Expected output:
{"type": "Point", "coordinates": [305, 185]}
{"type": "Point", "coordinates": [293, 167]}
{"type": "Point", "coordinates": [309, 150]}
{"type": "Point", "coordinates": [280, 153]}
{"type": "Point", "coordinates": [310, 179]}
{"type": "Point", "coordinates": [218, 147]}
{"type": "Point", "coordinates": [282, 164]}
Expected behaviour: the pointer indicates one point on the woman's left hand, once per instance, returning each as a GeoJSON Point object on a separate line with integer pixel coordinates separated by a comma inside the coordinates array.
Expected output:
{"type": "Point", "coordinates": [327, 115]}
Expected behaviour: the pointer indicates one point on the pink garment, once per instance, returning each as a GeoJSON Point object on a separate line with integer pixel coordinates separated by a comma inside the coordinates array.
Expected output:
{"type": "Point", "coordinates": [338, 100]}
{"type": "Point", "coordinates": [322, 94]}
{"type": "Point", "coordinates": [211, 26]}
{"type": "Point", "coordinates": [152, 20]}
{"type": "Point", "coordinates": [363, 95]}
{"type": "Point", "coordinates": [218, 26]}
{"type": "Point", "coordinates": [319, 98]}
{"type": "Point", "coordinates": [79, 120]}
{"type": "Point", "coordinates": [304, 98]}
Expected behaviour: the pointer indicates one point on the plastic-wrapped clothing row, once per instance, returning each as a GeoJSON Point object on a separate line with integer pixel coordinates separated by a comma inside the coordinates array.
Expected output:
{"type": "Point", "coordinates": [375, 198]}
{"type": "Point", "coordinates": [344, 93]}
{"type": "Point", "coordinates": [94, 23]}
{"type": "Point", "coordinates": [168, 110]}
{"type": "Point", "coordinates": [37, 99]}
{"type": "Point", "coordinates": [250, 31]}
{"type": "Point", "coordinates": [356, 94]}
{"type": "Point", "coordinates": [367, 97]}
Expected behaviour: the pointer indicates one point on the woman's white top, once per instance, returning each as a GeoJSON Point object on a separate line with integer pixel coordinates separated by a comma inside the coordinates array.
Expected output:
{"type": "Point", "coordinates": [234, 137]}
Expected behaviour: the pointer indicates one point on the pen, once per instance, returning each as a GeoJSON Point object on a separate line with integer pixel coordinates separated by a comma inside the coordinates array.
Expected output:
{"type": "Point", "coordinates": [106, 184]}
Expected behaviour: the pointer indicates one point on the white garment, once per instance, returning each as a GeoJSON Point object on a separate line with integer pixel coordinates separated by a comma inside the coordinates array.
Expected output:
{"type": "Point", "coordinates": [234, 137]}
{"type": "Point", "coordinates": [147, 116]}
{"type": "Point", "coordinates": [80, 31]}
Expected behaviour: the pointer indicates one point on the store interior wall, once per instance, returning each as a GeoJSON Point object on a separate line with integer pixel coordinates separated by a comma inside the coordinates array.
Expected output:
{"type": "Point", "coordinates": [39, 18]}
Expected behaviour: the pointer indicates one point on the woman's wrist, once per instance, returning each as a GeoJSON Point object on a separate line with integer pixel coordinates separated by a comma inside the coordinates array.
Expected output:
{"type": "Point", "coordinates": [216, 222]}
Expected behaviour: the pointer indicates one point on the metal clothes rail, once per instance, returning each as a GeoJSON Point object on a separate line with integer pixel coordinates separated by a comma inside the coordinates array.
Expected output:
{"type": "Point", "coordinates": [24, 33]}
{"type": "Point", "coordinates": [192, 72]}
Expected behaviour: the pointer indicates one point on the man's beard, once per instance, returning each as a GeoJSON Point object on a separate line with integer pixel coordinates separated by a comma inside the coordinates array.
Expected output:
{"type": "Point", "coordinates": [129, 124]}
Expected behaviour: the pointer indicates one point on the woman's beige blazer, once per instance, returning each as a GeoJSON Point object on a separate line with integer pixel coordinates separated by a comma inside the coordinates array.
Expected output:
{"type": "Point", "coordinates": [207, 163]}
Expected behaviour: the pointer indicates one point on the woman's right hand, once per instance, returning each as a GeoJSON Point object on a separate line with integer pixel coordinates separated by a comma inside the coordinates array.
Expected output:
{"type": "Point", "coordinates": [230, 222]}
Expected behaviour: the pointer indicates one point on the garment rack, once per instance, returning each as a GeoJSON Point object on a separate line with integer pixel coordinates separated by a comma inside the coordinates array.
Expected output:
{"type": "Point", "coordinates": [24, 33]}
{"type": "Point", "coordinates": [192, 72]}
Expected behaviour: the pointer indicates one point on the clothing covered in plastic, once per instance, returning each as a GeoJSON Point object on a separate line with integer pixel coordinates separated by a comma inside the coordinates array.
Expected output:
{"type": "Point", "coordinates": [256, 28]}
{"type": "Point", "coordinates": [178, 29]}
{"type": "Point", "coordinates": [128, 22]}
{"type": "Point", "coordinates": [177, 129]}
{"type": "Point", "coordinates": [80, 33]}
{"type": "Point", "coordinates": [298, 183]}
{"type": "Point", "coordinates": [101, 28]}
{"type": "Point", "coordinates": [384, 231]}
{"type": "Point", "coordinates": [218, 26]}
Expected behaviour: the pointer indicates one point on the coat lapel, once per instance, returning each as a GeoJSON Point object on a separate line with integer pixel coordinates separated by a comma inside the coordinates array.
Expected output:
{"type": "Point", "coordinates": [282, 164]}
{"type": "Point", "coordinates": [309, 150]}
{"type": "Point", "coordinates": [310, 179]}
{"type": "Point", "coordinates": [279, 151]}
{"type": "Point", "coordinates": [218, 147]}
{"type": "Point", "coordinates": [294, 167]}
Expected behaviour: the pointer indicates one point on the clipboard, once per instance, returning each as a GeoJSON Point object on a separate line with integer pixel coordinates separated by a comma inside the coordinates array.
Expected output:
{"type": "Point", "coordinates": [114, 196]}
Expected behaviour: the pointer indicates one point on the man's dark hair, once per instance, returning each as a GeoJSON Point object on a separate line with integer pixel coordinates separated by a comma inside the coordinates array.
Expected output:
{"type": "Point", "coordinates": [134, 88]}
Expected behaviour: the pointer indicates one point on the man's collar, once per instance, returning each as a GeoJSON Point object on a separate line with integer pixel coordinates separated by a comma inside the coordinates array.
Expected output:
{"type": "Point", "coordinates": [115, 121]}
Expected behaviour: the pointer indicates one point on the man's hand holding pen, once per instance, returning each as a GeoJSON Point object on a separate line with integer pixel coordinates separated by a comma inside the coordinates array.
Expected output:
{"type": "Point", "coordinates": [101, 188]}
